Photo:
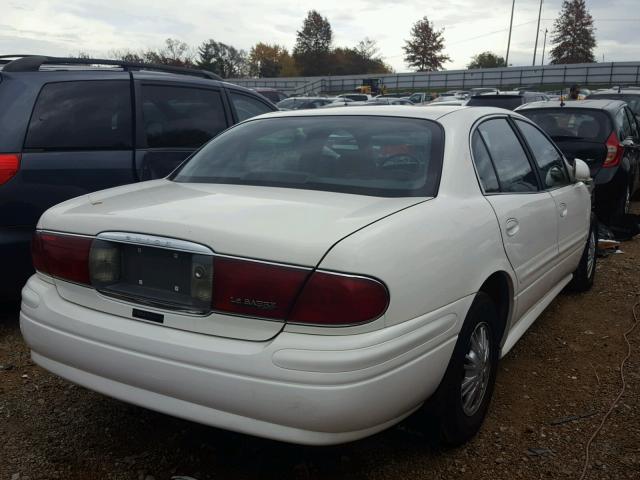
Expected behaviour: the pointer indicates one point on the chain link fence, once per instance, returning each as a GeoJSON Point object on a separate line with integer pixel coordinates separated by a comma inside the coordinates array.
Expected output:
{"type": "Point", "coordinates": [587, 74]}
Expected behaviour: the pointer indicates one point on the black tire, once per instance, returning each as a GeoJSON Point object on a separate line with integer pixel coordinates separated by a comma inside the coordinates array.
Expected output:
{"type": "Point", "coordinates": [584, 275]}
{"type": "Point", "coordinates": [455, 425]}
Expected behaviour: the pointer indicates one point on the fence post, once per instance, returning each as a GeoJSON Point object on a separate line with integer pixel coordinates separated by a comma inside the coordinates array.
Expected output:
{"type": "Point", "coordinates": [611, 74]}
{"type": "Point", "coordinates": [397, 83]}
{"type": "Point", "coordinates": [637, 73]}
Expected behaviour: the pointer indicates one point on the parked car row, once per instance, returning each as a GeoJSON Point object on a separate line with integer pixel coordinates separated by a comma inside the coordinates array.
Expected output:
{"type": "Point", "coordinates": [312, 276]}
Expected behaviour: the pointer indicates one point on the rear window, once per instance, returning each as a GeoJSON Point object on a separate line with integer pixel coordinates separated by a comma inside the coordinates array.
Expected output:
{"type": "Point", "coordinates": [368, 155]}
{"type": "Point", "coordinates": [87, 115]}
{"type": "Point", "coordinates": [571, 123]}
{"type": "Point", "coordinates": [501, 101]}
{"type": "Point", "coordinates": [633, 101]}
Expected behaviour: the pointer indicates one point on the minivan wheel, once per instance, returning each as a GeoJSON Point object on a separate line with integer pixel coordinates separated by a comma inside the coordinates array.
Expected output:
{"type": "Point", "coordinates": [465, 392]}
{"type": "Point", "coordinates": [584, 275]}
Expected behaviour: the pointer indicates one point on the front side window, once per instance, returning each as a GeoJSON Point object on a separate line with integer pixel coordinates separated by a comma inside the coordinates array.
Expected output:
{"type": "Point", "coordinates": [369, 155]}
{"type": "Point", "coordinates": [546, 156]}
{"type": "Point", "coordinates": [247, 107]}
{"type": "Point", "coordinates": [509, 158]}
{"type": "Point", "coordinates": [181, 117]}
{"type": "Point", "coordinates": [87, 115]}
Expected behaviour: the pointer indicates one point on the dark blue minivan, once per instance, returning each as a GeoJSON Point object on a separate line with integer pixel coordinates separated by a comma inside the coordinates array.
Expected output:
{"type": "Point", "coordinates": [73, 126]}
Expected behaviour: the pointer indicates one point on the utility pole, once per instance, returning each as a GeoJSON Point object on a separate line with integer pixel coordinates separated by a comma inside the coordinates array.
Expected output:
{"type": "Point", "coordinates": [535, 49]}
{"type": "Point", "coordinates": [506, 60]}
{"type": "Point", "coordinates": [544, 44]}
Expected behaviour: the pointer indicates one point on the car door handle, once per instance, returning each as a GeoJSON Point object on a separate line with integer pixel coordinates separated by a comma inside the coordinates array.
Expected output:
{"type": "Point", "coordinates": [562, 208]}
{"type": "Point", "coordinates": [512, 226]}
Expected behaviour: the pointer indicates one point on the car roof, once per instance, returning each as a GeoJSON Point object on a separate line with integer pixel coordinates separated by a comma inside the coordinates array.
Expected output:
{"type": "Point", "coordinates": [406, 111]}
{"type": "Point", "coordinates": [615, 91]}
{"type": "Point", "coordinates": [604, 104]}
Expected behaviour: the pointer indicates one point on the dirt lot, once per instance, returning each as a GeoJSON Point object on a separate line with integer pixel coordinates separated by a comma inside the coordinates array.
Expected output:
{"type": "Point", "coordinates": [566, 365]}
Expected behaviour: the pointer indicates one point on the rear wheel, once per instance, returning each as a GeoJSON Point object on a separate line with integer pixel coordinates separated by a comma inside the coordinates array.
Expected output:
{"type": "Point", "coordinates": [627, 201]}
{"type": "Point", "coordinates": [585, 273]}
{"type": "Point", "coordinates": [465, 392]}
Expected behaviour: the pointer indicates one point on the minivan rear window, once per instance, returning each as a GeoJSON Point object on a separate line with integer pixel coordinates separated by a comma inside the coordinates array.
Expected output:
{"type": "Point", "coordinates": [509, 102]}
{"type": "Point", "coordinates": [368, 155]}
{"type": "Point", "coordinates": [571, 123]}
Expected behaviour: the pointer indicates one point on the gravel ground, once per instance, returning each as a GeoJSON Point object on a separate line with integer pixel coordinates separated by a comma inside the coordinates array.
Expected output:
{"type": "Point", "coordinates": [566, 365]}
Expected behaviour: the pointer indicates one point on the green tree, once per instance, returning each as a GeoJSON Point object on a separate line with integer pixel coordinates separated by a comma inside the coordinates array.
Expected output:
{"type": "Point", "coordinates": [350, 61]}
{"type": "Point", "coordinates": [573, 34]}
{"type": "Point", "coordinates": [313, 45]}
{"type": "Point", "coordinates": [423, 51]}
{"type": "Point", "coordinates": [486, 60]}
{"type": "Point", "coordinates": [223, 59]}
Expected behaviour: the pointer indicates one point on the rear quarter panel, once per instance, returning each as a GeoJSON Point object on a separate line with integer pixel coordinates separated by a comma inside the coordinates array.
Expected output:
{"type": "Point", "coordinates": [438, 251]}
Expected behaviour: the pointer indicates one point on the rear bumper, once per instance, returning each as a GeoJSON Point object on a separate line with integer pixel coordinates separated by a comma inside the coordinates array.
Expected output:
{"type": "Point", "coordinates": [309, 389]}
{"type": "Point", "coordinates": [15, 252]}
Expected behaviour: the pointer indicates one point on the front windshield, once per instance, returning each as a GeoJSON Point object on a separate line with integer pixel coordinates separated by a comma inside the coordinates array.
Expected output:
{"type": "Point", "coordinates": [370, 155]}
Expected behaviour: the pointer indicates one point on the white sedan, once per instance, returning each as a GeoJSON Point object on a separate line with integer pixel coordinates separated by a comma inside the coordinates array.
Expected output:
{"type": "Point", "coordinates": [316, 277]}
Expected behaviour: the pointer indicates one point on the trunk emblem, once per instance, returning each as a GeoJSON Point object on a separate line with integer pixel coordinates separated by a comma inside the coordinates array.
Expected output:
{"type": "Point", "coordinates": [252, 302]}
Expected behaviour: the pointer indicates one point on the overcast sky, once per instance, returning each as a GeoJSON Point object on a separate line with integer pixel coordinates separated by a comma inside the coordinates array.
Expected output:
{"type": "Point", "coordinates": [63, 27]}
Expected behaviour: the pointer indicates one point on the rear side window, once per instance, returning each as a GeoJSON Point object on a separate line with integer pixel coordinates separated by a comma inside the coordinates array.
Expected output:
{"type": "Point", "coordinates": [509, 158]}
{"type": "Point", "coordinates": [247, 107]}
{"type": "Point", "coordinates": [633, 101]}
{"type": "Point", "coordinates": [483, 164]}
{"type": "Point", "coordinates": [181, 117]}
{"type": "Point", "coordinates": [87, 115]}
{"type": "Point", "coordinates": [634, 124]}
{"type": "Point", "coordinates": [571, 124]}
{"type": "Point", "coordinates": [549, 161]}
{"type": "Point", "coordinates": [369, 155]}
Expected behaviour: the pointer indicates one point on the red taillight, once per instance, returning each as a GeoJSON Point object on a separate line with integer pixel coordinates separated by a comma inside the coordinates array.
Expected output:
{"type": "Point", "coordinates": [9, 166]}
{"type": "Point", "coordinates": [265, 290]}
{"type": "Point", "coordinates": [338, 300]}
{"type": "Point", "coordinates": [254, 288]}
{"type": "Point", "coordinates": [62, 256]}
{"type": "Point", "coordinates": [614, 151]}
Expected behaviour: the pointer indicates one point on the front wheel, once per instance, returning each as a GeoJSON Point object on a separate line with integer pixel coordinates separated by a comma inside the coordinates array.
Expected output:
{"type": "Point", "coordinates": [584, 275]}
{"type": "Point", "coordinates": [465, 391]}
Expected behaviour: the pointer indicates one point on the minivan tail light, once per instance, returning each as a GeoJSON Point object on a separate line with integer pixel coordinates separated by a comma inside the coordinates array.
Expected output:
{"type": "Point", "coordinates": [335, 299]}
{"type": "Point", "coordinates": [614, 151]}
{"type": "Point", "coordinates": [9, 166]}
{"type": "Point", "coordinates": [259, 289]}
{"type": "Point", "coordinates": [62, 256]}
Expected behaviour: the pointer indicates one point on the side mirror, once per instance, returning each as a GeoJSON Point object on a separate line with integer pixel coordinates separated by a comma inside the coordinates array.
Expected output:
{"type": "Point", "coordinates": [628, 142]}
{"type": "Point", "coordinates": [581, 171]}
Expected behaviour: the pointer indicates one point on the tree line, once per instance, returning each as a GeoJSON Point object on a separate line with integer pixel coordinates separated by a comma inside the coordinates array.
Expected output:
{"type": "Point", "coordinates": [313, 54]}
{"type": "Point", "coordinates": [572, 39]}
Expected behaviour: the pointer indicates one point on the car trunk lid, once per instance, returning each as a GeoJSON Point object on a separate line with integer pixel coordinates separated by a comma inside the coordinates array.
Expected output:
{"type": "Point", "coordinates": [288, 227]}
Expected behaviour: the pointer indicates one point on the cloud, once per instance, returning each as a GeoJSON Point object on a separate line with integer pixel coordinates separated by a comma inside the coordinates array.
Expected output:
{"type": "Point", "coordinates": [61, 27]}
